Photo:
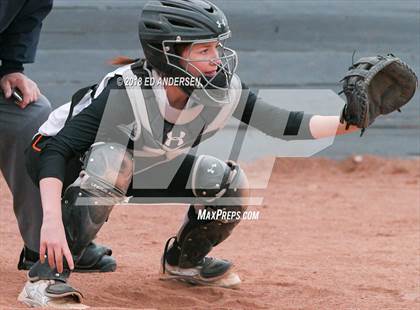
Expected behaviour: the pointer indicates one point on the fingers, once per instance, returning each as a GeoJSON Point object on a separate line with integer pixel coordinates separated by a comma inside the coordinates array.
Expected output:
{"type": "Point", "coordinates": [58, 259]}
{"type": "Point", "coordinates": [6, 87]}
{"type": "Point", "coordinates": [69, 257]}
{"type": "Point", "coordinates": [42, 250]}
{"type": "Point", "coordinates": [34, 95]}
{"type": "Point", "coordinates": [51, 257]}
{"type": "Point", "coordinates": [27, 92]}
{"type": "Point", "coordinates": [53, 240]}
{"type": "Point", "coordinates": [55, 256]}
{"type": "Point", "coordinates": [26, 86]}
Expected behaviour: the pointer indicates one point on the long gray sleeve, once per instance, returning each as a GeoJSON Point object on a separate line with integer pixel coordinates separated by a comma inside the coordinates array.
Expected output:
{"type": "Point", "coordinates": [273, 121]}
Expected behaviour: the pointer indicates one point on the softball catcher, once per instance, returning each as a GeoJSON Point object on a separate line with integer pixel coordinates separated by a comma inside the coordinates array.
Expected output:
{"type": "Point", "coordinates": [138, 141]}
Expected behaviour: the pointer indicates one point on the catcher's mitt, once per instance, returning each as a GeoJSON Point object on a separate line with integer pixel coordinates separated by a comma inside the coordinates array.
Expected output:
{"type": "Point", "coordinates": [376, 86]}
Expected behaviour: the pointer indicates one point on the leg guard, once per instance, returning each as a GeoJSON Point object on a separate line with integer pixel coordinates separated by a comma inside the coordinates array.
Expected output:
{"type": "Point", "coordinates": [102, 183]}
{"type": "Point", "coordinates": [211, 179]}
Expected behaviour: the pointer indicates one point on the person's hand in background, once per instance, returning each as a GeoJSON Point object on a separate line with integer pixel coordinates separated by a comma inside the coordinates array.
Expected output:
{"type": "Point", "coordinates": [25, 85]}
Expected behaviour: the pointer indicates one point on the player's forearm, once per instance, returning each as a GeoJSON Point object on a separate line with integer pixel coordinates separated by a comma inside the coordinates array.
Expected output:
{"type": "Point", "coordinates": [327, 126]}
{"type": "Point", "coordinates": [51, 198]}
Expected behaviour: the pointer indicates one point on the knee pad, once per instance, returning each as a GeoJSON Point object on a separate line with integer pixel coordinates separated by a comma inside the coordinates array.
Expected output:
{"type": "Point", "coordinates": [212, 180]}
{"type": "Point", "coordinates": [110, 168]}
{"type": "Point", "coordinates": [87, 203]}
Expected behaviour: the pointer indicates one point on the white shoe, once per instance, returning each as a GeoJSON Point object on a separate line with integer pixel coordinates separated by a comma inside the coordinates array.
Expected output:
{"type": "Point", "coordinates": [34, 294]}
{"type": "Point", "coordinates": [194, 275]}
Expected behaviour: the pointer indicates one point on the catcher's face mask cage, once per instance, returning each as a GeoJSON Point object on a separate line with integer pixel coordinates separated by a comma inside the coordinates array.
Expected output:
{"type": "Point", "coordinates": [215, 87]}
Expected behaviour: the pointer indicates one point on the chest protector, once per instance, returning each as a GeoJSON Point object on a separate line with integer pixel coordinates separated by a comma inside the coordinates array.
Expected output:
{"type": "Point", "coordinates": [155, 139]}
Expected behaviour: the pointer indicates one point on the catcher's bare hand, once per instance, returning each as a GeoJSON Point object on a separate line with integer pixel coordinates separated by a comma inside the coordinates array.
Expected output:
{"type": "Point", "coordinates": [53, 243]}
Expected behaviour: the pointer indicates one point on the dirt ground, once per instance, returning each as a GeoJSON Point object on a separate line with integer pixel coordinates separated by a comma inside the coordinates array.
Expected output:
{"type": "Point", "coordinates": [330, 235]}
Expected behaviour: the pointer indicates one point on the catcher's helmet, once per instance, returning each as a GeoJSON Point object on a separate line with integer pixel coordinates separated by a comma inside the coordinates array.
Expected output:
{"type": "Point", "coordinates": [166, 23]}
